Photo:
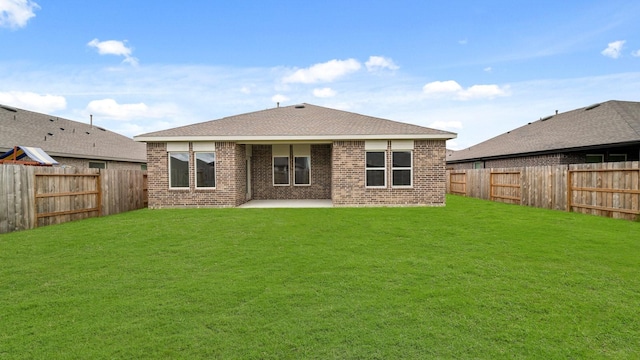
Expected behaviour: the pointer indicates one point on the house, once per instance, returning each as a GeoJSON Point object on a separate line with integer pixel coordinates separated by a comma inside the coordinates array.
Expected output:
{"type": "Point", "coordinates": [69, 142]}
{"type": "Point", "coordinates": [604, 132]}
{"type": "Point", "coordinates": [297, 152]}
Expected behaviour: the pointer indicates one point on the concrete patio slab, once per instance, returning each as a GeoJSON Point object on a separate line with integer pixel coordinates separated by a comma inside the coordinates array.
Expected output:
{"type": "Point", "coordinates": [287, 204]}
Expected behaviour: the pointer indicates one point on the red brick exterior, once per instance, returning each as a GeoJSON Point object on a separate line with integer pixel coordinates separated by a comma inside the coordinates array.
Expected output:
{"type": "Point", "coordinates": [229, 191]}
{"type": "Point", "coordinates": [349, 177]}
{"type": "Point", "coordinates": [337, 173]}
{"type": "Point", "coordinates": [262, 176]}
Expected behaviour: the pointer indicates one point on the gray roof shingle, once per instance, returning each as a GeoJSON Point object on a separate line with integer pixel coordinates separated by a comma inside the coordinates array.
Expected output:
{"type": "Point", "coordinates": [304, 121]}
{"type": "Point", "coordinates": [66, 138]}
{"type": "Point", "coordinates": [611, 122]}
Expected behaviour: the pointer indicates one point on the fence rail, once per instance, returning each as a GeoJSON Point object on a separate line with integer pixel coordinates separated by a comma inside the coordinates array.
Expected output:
{"type": "Point", "coordinates": [607, 189]}
{"type": "Point", "coordinates": [38, 196]}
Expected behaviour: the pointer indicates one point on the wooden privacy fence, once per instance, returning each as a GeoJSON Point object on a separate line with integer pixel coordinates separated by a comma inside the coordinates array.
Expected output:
{"type": "Point", "coordinates": [605, 189]}
{"type": "Point", "coordinates": [35, 196]}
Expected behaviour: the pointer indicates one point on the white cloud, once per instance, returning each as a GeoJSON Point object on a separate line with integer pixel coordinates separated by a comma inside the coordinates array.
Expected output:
{"type": "Point", "coordinates": [15, 13]}
{"type": "Point", "coordinates": [441, 87]}
{"type": "Point", "coordinates": [376, 63]}
{"type": "Point", "coordinates": [636, 53]}
{"type": "Point", "coordinates": [463, 42]}
{"type": "Point", "coordinates": [483, 91]}
{"type": "Point", "coordinates": [451, 87]}
{"type": "Point", "coordinates": [109, 108]}
{"type": "Point", "coordinates": [114, 47]}
{"type": "Point", "coordinates": [323, 72]}
{"type": "Point", "coordinates": [446, 125]}
{"type": "Point", "coordinates": [32, 101]}
{"type": "Point", "coordinates": [488, 69]}
{"type": "Point", "coordinates": [279, 98]}
{"type": "Point", "coordinates": [324, 92]}
{"type": "Point", "coordinates": [614, 49]}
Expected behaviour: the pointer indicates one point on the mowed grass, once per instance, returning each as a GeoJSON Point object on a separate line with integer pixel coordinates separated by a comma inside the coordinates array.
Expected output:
{"type": "Point", "coordinates": [475, 279]}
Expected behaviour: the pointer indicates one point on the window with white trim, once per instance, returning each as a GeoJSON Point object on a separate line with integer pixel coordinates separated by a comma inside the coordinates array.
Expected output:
{"type": "Point", "coordinates": [617, 157]}
{"type": "Point", "coordinates": [402, 163]}
{"type": "Point", "coordinates": [280, 166]}
{"type": "Point", "coordinates": [376, 170]}
{"type": "Point", "coordinates": [302, 164]}
{"type": "Point", "coordinates": [205, 169]}
{"type": "Point", "coordinates": [179, 169]}
{"type": "Point", "coordinates": [594, 158]}
{"type": "Point", "coordinates": [97, 165]}
{"type": "Point", "coordinates": [375, 163]}
{"type": "Point", "coordinates": [205, 164]}
{"type": "Point", "coordinates": [178, 165]}
{"type": "Point", "coordinates": [401, 168]}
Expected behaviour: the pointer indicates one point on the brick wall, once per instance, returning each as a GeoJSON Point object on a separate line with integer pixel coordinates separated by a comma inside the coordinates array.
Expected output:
{"type": "Point", "coordinates": [262, 177]}
{"type": "Point", "coordinates": [228, 192]}
{"type": "Point", "coordinates": [342, 179]}
{"type": "Point", "coordinates": [348, 176]}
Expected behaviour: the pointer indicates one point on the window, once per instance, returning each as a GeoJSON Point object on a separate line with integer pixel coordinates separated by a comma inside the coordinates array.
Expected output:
{"type": "Point", "coordinates": [401, 168]}
{"type": "Point", "coordinates": [594, 158]}
{"type": "Point", "coordinates": [97, 165]}
{"type": "Point", "coordinates": [205, 169]}
{"type": "Point", "coordinates": [179, 169]}
{"type": "Point", "coordinates": [143, 167]}
{"type": "Point", "coordinates": [302, 164]}
{"type": "Point", "coordinates": [303, 170]}
{"type": "Point", "coordinates": [478, 165]}
{"type": "Point", "coordinates": [280, 170]}
{"type": "Point", "coordinates": [280, 153]}
{"type": "Point", "coordinates": [617, 157]}
{"type": "Point", "coordinates": [376, 169]}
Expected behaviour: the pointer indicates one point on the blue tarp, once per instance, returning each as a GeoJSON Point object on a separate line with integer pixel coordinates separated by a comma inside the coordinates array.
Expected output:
{"type": "Point", "coordinates": [36, 154]}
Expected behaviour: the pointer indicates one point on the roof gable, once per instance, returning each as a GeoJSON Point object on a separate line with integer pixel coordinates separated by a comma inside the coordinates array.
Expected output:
{"type": "Point", "coordinates": [304, 121]}
{"type": "Point", "coordinates": [66, 138]}
{"type": "Point", "coordinates": [611, 122]}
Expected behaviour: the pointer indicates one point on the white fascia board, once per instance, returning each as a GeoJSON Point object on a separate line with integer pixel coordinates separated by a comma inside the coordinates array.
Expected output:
{"type": "Point", "coordinates": [308, 138]}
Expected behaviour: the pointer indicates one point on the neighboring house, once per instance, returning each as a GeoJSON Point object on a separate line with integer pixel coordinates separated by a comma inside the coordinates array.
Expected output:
{"type": "Point", "coordinates": [297, 152]}
{"type": "Point", "coordinates": [604, 132]}
{"type": "Point", "coordinates": [71, 143]}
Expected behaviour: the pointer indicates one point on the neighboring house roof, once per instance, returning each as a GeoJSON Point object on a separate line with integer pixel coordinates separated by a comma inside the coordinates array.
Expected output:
{"type": "Point", "coordinates": [295, 123]}
{"type": "Point", "coordinates": [65, 138]}
{"type": "Point", "coordinates": [599, 125]}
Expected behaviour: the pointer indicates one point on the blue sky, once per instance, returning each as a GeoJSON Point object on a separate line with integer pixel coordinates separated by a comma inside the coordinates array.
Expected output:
{"type": "Point", "coordinates": [477, 68]}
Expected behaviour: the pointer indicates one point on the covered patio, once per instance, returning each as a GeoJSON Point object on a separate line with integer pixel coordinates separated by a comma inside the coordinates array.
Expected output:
{"type": "Point", "coordinates": [254, 204]}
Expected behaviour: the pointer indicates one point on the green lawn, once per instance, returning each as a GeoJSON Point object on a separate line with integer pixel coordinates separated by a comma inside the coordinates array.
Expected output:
{"type": "Point", "coordinates": [475, 279]}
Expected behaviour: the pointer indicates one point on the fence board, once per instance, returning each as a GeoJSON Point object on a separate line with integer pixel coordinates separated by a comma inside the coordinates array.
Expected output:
{"type": "Point", "coordinates": [607, 189]}
{"type": "Point", "coordinates": [38, 196]}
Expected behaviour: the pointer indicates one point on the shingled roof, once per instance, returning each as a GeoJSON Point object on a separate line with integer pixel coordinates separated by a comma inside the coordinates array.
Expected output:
{"type": "Point", "coordinates": [605, 124]}
{"type": "Point", "coordinates": [65, 138]}
{"type": "Point", "coordinates": [296, 122]}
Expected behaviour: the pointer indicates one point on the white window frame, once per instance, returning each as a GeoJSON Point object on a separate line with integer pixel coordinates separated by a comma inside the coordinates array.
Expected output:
{"type": "Point", "coordinates": [624, 156]}
{"type": "Point", "coordinates": [601, 156]}
{"type": "Point", "coordinates": [403, 168]}
{"type": "Point", "coordinates": [97, 162]}
{"type": "Point", "coordinates": [383, 169]}
{"type": "Point", "coordinates": [188, 167]}
{"type": "Point", "coordinates": [178, 147]}
{"type": "Point", "coordinates": [280, 151]}
{"type": "Point", "coordinates": [301, 151]}
{"type": "Point", "coordinates": [195, 172]}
